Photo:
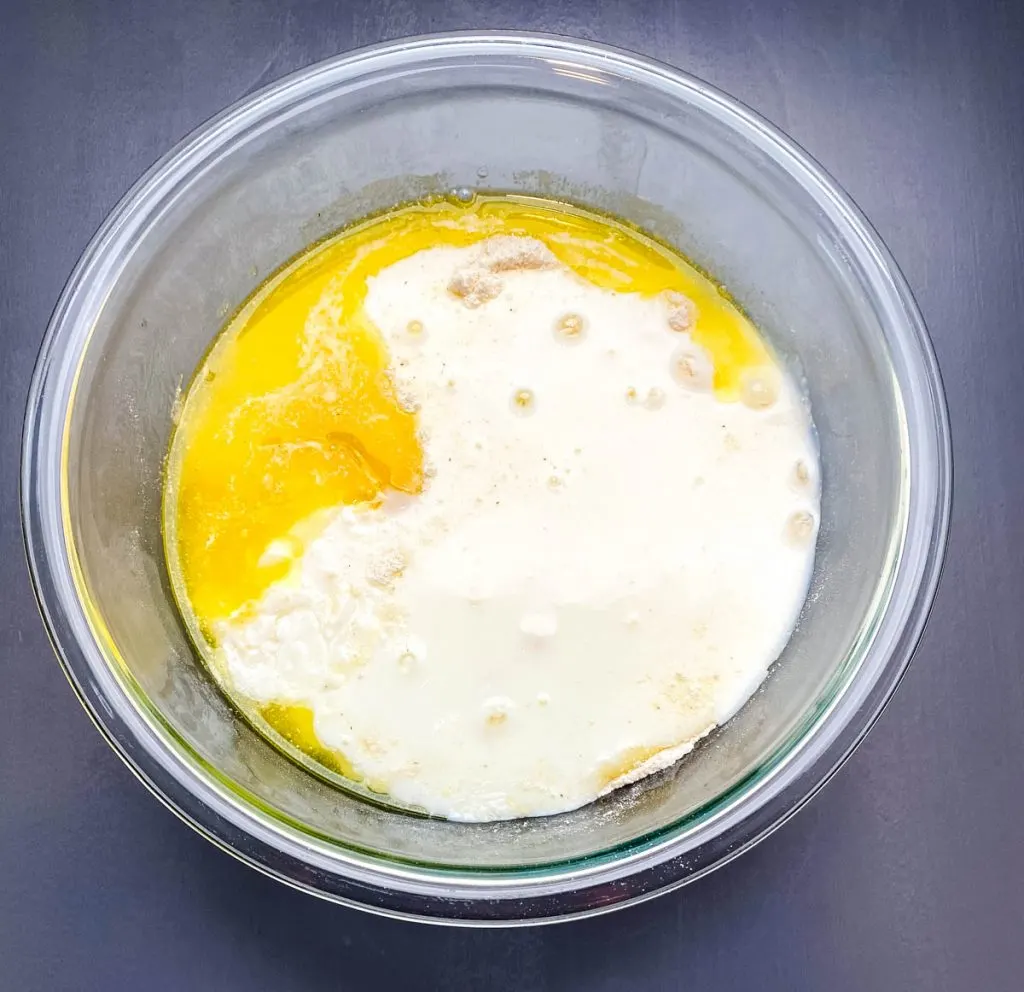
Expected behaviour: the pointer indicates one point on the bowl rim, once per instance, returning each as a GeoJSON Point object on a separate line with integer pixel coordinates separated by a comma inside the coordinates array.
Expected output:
{"type": "Point", "coordinates": [197, 794]}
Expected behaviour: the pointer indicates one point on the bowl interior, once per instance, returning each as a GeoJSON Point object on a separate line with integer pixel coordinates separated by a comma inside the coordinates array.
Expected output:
{"type": "Point", "coordinates": [584, 132]}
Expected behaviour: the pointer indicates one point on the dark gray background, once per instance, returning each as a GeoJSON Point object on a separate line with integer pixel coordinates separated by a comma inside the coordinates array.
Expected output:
{"type": "Point", "coordinates": [908, 871]}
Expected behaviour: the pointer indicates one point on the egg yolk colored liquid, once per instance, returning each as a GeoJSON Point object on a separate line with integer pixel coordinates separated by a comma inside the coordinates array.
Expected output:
{"type": "Point", "coordinates": [293, 411]}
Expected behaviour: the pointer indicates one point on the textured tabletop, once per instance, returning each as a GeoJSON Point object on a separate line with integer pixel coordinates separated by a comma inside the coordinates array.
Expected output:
{"type": "Point", "coordinates": [907, 872]}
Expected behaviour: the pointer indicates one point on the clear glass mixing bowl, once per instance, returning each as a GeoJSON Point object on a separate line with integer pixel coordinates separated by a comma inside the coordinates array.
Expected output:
{"type": "Point", "coordinates": [360, 133]}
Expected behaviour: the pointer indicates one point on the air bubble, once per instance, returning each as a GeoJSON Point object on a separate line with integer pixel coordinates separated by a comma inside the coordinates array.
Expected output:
{"type": "Point", "coordinates": [679, 321]}
{"type": "Point", "coordinates": [682, 313]}
{"type": "Point", "coordinates": [570, 327]}
{"type": "Point", "coordinates": [463, 194]}
{"type": "Point", "coordinates": [800, 528]}
{"type": "Point", "coordinates": [497, 710]}
{"type": "Point", "coordinates": [655, 399]}
{"type": "Point", "coordinates": [759, 389]}
{"type": "Point", "coordinates": [690, 367]}
{"type": "Point", "coordinates": [523, 401]}
{"type": "Point", "coordinates": [481, 173]}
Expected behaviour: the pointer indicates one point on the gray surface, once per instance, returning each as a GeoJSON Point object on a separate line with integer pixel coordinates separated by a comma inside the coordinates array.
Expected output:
{"type": "Point", "coordinates": [907, 872]}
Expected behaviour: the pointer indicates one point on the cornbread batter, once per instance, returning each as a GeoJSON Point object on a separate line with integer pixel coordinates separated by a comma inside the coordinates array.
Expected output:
{"type": "Point", "coordinates": [493, 508]}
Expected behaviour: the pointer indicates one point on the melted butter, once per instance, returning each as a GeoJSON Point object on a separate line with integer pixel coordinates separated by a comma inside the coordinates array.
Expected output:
{"type": "Point", "coordinates": [295, 724]}
{"type": "Point", "coordinates": [292, 412]}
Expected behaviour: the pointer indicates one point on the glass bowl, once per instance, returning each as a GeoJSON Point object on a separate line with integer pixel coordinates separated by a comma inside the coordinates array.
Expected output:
{"type": "Point", "coordinates": [356, 134]}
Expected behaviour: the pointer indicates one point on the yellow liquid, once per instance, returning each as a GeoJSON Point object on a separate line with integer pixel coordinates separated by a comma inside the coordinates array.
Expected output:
{"type": "Point", "coordinates": [292, 411]}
